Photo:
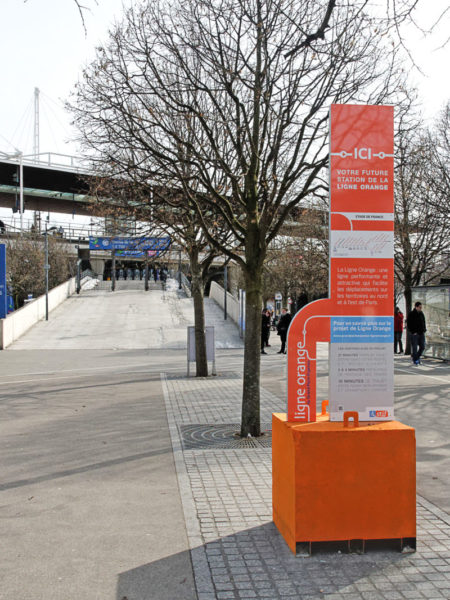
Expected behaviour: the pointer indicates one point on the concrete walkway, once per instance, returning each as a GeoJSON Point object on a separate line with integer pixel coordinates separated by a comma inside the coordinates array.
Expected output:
{"type": "Point", "coordinates": [128, 320]}
{"type": "Point", "coordinates": [105, 494]}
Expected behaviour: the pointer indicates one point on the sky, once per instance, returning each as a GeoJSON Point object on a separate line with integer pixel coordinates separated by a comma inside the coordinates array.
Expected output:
{"type": "Point", "coordinates": [43, 44]}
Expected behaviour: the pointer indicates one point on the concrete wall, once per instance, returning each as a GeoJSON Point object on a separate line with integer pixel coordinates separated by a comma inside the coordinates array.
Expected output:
{"type": "Point", "coordinates": [19, 321]}
{"type": "Point", "coordinates": [217, 293]}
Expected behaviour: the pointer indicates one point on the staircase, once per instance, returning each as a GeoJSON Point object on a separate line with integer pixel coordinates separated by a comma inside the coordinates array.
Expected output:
{"type": "Point", "coordinates": [129, 284]}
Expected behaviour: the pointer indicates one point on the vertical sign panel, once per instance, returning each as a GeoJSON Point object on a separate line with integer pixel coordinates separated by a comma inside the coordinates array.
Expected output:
{"type": "Point", "coordinates": [3, 290]}
{"type": "Point", "coordinates": [361, 261]}
{"type": "Point", "coordinates": [357, 318]}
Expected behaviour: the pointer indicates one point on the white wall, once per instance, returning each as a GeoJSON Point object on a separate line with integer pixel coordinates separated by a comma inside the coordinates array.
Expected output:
{"type": "Point", "coordinates": [19, 321]}
{"type": "Point", "coordinates": [216, 292]}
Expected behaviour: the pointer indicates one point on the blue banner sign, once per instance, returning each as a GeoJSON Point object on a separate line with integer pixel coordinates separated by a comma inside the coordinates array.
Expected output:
{"type": "Point", "coordinates": [3, 290]}
{"type": "Point", "coordinates": [141, 244]}
{"type": "Point", "coordinates": [362, 330]}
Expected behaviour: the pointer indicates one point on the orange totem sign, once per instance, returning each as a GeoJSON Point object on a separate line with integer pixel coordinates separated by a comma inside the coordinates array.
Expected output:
{"type": "Point", "coordinates": [357, 318]}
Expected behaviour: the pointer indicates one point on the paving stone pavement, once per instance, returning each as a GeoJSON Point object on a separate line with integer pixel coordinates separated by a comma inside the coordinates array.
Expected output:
{"type": "Point", "coordinates": [237, 553]}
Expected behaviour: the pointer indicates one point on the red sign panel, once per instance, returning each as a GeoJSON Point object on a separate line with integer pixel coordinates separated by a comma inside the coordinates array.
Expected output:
{"type": "Point", "coordinates": [357, 317]}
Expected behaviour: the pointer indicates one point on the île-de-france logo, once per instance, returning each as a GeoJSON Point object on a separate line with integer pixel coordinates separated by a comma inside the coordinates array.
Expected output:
{"type": "Point", "coordinates": [362, 154]}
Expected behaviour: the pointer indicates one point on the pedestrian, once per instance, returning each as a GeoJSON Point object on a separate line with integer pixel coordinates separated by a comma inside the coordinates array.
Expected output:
{"type": "Point", "coordinates": [265, 329]}
{"type": "Point", "coordinates": [417, 327]}
{"type": "Point", "coordinates": [269, 329]}
{"type": "Point", "coordinates": [398, 330]}
{"type": "Point", "coordinates": [282, 329]}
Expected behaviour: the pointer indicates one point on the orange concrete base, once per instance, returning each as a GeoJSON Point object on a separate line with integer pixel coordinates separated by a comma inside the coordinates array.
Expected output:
{"type": "Point", "coordinates": [336, 483]}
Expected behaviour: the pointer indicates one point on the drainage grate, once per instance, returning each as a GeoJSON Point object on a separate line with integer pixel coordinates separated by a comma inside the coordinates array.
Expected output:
{"type": "Point", "coordinates": [226, 435]}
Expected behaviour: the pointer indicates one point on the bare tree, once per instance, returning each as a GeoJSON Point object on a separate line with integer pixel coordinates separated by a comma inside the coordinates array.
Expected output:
{"type": "Point", "coordinates": [82, 8]}
{"type": "Point", "coordinates": [439, 143]}
{"type": "Point", "coordinates": [238, 91]}
{"type": "Point", "coordinates": [25, 259]}
{"type": "Point", "coordinates": [297, 262]}
{"type": "Point", "coordinates": [422, 226]}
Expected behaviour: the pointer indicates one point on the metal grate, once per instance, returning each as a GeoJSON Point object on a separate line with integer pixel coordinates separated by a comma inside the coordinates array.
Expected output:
{"type": "Point", "coordinates": [225, 435]}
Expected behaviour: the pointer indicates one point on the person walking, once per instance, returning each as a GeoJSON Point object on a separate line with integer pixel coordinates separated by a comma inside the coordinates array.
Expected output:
{"type": "Point", "coordinates": [398, 330]}
{"type": "Point", "coordinates": [265, 329]}
{"type": "Point", "coordinates": [270, 313]}
{"type": "Point", "coordinates": [416, 327]}
{"type": "Point", "coordinates": [282, 328]}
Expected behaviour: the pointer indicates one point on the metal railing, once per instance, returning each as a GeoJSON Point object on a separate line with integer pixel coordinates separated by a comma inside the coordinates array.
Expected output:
{"type": "Point", "coordinates": [54, 160]}
{"type": "Point", "coordinates": [76, 231]}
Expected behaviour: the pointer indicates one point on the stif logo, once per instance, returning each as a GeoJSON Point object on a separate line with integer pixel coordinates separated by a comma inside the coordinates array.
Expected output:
{"type": "Point", "coordinates": [378, 413]}
{"type": "Point", "coordinates": [362, 153]}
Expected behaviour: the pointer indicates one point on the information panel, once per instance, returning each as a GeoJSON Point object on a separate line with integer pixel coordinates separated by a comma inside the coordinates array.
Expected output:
{"type": "Point", "coordinates": [357, 318]}
{"type": "Point", "coordinates": [129, 244]}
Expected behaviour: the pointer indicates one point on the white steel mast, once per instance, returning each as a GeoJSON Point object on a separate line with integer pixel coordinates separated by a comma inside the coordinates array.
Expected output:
{"type": "Point", "coordinates": [36, 124]}
{"type": "Point", "coordinates": [37, 214]}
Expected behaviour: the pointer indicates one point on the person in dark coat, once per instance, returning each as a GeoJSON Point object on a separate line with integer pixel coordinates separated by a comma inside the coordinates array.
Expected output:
{"type": "Point", "coordinates": [282, 328]}
{"type": "Point", "coordinates": [265, 329]}
{"type": "Point", "coordinates": [417, 328]}
{"type": "Point", "coordinates": [398, 330]}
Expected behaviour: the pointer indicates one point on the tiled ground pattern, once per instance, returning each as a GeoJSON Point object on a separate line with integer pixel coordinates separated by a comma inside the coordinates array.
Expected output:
{"type": "Point", "coordinates": [237, 552]}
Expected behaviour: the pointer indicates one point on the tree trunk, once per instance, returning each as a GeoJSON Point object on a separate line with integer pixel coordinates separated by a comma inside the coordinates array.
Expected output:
{"type": "Point", "coordinates": [199, 315]}
{"type": "Point", "coordinates": [250, 419]}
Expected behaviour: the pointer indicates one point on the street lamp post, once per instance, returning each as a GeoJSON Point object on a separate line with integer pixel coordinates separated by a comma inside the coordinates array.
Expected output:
{"type": "Point", "coordinates": [46, 268]}
{"type": "Point", "coordinates": [21, 190]}
{"type": "Point", "coordinates": [113, 270]}
{"type": "Point", "coordinates": [179, 269]}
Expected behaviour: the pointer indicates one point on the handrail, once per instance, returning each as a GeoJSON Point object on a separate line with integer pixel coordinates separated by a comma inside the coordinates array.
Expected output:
{"type": "Point", "coordinates": [59, 229]}
{"type": "Point", "coordinates": [72, 162]}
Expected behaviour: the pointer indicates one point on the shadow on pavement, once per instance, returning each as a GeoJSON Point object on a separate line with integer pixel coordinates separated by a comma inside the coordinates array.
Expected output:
{"type": "Point", "coordinates": [83, 469]}
{"type": "Point", "coordinates": [257, 563]}
{"type": "Point", "coordinates": [165, 579]}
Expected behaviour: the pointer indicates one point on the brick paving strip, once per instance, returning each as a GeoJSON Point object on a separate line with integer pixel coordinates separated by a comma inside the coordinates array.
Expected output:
{"type": "Point", "coordinates": [237, 553]}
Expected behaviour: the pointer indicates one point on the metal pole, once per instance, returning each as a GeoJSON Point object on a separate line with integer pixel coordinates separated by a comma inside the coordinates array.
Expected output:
{"type": "Point", "coordinates": [225, 288]}
{"type": "Point", "coordinates": [78, 275]}
{"type": "Point", "coordinates": [36, 124]}
{"type": "Point", "coordinates": [146, 276]}
{"type": "Point", "coordinates": [46, 267]}
{"type": "Point", "coordinates": [113, 270]}
{"type": "Point", "coordinates": [179, 269]}
{"type": "Point", "coordinates": [21, 190]}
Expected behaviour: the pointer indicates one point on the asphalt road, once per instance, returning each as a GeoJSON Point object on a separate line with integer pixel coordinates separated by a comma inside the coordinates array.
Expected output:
{"type": "Point", "coordinates": [90, 506]}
